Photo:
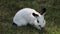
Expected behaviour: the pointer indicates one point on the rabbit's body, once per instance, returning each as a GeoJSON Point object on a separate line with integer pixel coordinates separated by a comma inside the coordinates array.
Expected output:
{"type": "Point", "coordinates": [28, 15]}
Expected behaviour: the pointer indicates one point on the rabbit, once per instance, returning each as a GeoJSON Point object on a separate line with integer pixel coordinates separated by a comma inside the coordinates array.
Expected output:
{"type": "Point", "coordinates": [30, 16]}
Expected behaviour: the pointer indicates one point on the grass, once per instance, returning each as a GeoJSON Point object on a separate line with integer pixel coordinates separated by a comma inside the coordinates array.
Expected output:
{"type": "Point", "coordinates": [8, 8]}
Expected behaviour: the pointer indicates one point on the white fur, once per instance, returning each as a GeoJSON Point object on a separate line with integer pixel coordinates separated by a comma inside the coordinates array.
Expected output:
{"type": "Point", "coordinates": [24, 16]}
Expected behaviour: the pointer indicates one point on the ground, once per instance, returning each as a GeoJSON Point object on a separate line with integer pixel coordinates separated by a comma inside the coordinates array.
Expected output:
{"type": "Point", "coordinates": [8, 8]}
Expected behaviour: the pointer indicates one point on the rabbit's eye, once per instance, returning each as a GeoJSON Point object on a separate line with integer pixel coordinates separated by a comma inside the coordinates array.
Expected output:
{"type": "Point", "coordinates": [38, 21]}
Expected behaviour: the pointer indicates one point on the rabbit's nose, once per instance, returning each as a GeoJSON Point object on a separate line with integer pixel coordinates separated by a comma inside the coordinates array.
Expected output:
{"type": "Point", "coordinates": [39, 25]}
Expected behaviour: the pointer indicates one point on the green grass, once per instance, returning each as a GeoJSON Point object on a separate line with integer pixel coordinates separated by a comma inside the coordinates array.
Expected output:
{"type": "Point", "coordinates": [8, 8]}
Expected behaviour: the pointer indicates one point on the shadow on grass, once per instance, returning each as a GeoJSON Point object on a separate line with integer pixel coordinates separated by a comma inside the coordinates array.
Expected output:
{"type": "Point", "coordinates": [29, 29]}
{"type": "Point", "coordinates": [43, 31]}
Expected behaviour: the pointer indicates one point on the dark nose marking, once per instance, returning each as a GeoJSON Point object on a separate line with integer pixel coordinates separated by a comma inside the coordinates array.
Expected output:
{"type": "Point", "coordinates": [14, 24]}
{"type": "Point", "coordinates": [39, 25]}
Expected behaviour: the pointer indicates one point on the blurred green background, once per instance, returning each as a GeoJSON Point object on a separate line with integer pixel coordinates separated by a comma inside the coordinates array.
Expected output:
{"type": "Point", "coordinates": [8, 8]}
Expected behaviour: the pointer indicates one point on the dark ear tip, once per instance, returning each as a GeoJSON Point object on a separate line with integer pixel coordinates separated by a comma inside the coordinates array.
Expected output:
{"type": "Point", "coordinates": [43, 11]}
{"type": "Point", "coordinates": [36, 15]}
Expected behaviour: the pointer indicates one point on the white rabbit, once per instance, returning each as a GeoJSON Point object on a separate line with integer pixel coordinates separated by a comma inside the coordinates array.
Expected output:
{"type": "Point", "coordinates": [30, 16]}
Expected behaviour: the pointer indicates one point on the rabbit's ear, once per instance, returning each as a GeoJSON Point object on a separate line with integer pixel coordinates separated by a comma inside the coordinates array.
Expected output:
{"type": "Point", "coordinates": [35, 15]}
{"type": "Point", "coordinates": [43, 11]}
